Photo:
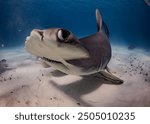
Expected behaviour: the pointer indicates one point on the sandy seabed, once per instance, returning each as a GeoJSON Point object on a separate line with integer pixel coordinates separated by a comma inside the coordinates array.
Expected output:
{"type": "Point", "coordinates": [25, 82]}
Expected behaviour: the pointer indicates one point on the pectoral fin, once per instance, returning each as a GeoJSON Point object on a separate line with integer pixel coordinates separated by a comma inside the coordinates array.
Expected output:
{"type": "Point", "coordinates": [108, 69]}
{"type": "Point", "coordinates": [108, 76]}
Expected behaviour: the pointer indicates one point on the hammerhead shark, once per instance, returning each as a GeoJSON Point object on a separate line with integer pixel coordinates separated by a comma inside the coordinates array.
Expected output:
{"type": "Point", "coordinates": [62, 50]}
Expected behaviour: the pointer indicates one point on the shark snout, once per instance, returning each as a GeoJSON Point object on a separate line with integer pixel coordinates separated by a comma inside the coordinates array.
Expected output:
{"type": "Point", "coordinates": [38, 33]}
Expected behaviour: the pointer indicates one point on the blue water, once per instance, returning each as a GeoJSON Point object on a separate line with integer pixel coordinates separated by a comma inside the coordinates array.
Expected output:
{"type": "Point", "coordinates": [128, 20]}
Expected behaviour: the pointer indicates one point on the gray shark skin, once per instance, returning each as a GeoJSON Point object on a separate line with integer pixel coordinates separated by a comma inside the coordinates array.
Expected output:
{"type": "Point", "coordinates": [99, 50]}
{"type": "Point", "coordinates": [62, 50]}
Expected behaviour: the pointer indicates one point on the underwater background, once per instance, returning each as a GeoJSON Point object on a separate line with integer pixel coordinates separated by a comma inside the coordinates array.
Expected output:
{"type": "Point", "coordinates": [128, 20]}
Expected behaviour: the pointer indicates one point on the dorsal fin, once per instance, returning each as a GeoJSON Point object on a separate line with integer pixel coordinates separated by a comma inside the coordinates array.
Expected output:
{"type": "Point", "coordinates": [105, 28]}
{"type": "Point", "coordinates": [101, 25]}
{"type": "Point", "coordinates": [98, 20]}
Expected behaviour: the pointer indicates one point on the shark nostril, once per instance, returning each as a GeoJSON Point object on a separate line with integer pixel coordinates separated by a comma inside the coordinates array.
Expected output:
{"type": "Point", "coordinates": [41, 34]}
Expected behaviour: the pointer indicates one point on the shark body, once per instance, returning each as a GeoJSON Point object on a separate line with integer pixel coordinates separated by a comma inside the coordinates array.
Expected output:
{"type": "Point", "coordinates": [62, 50]}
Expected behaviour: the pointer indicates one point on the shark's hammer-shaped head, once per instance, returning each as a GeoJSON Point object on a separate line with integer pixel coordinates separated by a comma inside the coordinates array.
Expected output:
{"type": "Point", "coordinates": [56, 46]}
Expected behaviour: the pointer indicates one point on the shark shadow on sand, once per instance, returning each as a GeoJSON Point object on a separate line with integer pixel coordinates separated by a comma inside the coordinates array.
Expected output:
{"type": "Point", "coordinates": [77, 89]}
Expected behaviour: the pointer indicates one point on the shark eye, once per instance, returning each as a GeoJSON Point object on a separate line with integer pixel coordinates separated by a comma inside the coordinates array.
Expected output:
{"type": "Point", "coordinates": [63, 35]}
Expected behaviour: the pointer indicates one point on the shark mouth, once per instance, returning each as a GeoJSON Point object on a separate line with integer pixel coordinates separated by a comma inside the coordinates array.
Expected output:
{"type": "Point", "coordinates": [51, 61]}
{"type": "Point", "coordinates": [56, 63]}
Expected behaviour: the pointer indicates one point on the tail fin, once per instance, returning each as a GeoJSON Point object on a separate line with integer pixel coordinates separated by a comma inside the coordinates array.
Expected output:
{"type": "Point", "coordinates": [101, 25]}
